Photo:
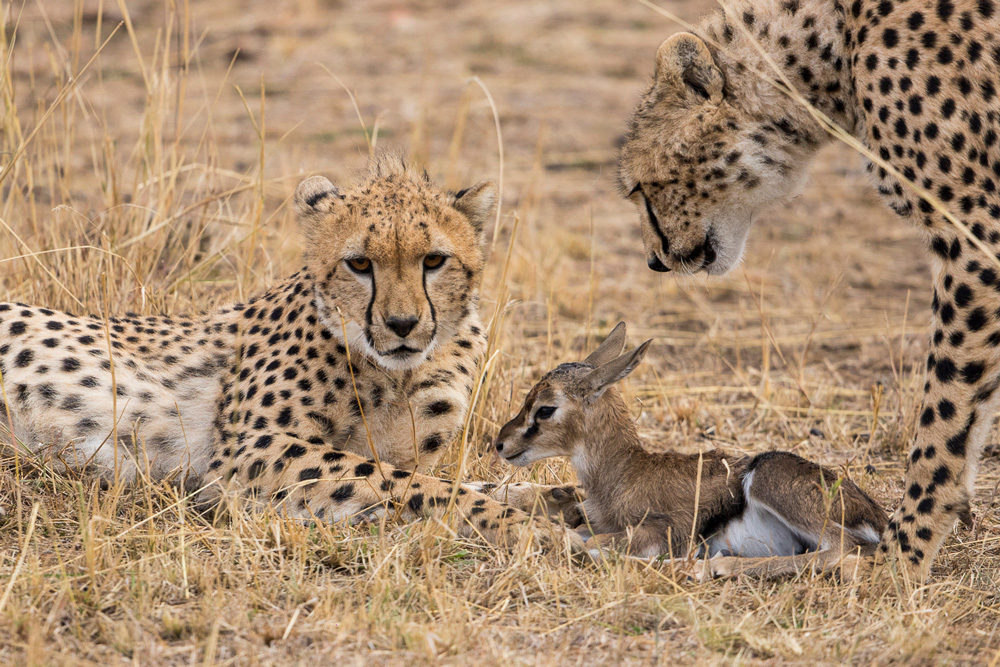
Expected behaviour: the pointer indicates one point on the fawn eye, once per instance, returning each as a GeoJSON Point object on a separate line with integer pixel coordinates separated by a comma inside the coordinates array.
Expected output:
{"type": "Point", "coordinates": [360, 264]}
{"type": "Point", "coordinates": [545, 412]}
{"type": "Point", "coordinates": [434, 261]}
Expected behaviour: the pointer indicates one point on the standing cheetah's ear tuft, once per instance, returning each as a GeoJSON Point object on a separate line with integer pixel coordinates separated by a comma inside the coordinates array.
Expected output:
{"type": "Point", "coordinates": [314, 197]}
{"type": "Point", "coordinates": [477, 203]}
{"type": "Point", "coordinates": [684, 63]}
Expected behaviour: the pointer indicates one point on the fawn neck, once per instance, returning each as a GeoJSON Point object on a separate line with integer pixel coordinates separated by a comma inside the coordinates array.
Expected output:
{"type": "Point", "coordinates": [611, 443]}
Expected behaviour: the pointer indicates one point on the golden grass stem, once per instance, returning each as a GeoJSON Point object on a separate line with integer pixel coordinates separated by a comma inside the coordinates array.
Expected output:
{"type": "Point", "coordinates": [20, 558]}
{"type": "Point", "coordinates": [496, 123]}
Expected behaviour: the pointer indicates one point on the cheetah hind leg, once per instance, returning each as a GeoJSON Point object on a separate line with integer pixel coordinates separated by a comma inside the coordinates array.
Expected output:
{"type": "Point", "coordinates": [558, 502]}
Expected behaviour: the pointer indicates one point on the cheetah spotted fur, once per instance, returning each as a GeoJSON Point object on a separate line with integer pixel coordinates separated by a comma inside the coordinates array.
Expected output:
{"type": "Point", "coordinates": [332, 394]}
{"type": "Point", "coordinates": [711, 142]}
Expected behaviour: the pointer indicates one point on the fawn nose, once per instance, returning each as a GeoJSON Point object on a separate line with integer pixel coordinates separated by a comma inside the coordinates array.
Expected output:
{"type": "Point", "coordinates": [655, 264]}
{"type": "Point", "coordinates": [499, 445]}
{"type": "Point", "coordinates": [402, 326]}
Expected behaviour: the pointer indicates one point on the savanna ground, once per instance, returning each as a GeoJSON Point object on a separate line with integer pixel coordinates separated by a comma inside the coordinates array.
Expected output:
{"type": "Point", "coordinates": [152, 173]}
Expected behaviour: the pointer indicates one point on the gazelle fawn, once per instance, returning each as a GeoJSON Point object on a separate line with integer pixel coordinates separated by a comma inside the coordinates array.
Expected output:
{"type": "Point", "coordinates": [766, 515]}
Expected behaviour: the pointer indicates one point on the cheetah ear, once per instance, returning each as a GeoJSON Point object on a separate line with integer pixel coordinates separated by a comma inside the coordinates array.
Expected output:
{"type": "Point", "coordinates": [315, 197]}
{"type": "Point", "coordinates": [595, 383]}
{"type": "Point", "coordinates": [684, 62]}
{"type": "Point", "coordinates": [477, 203]}
{"type": "Point", "coordinates": [610, 349]}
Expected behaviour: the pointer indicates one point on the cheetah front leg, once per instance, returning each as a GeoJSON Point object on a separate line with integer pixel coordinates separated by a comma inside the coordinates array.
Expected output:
{"type": "Point", "coordinates": [318, 481]}
{"type": "Point", "coordinates": [562, 502]}
{"type": "Point", "coordinates": [436, 414]}
{"type": "Point", "coordinates": [960, 399]}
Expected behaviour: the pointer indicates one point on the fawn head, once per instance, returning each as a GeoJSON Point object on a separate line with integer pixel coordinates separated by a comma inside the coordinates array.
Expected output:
{"type": "Point", "coordinates": [552, 420]}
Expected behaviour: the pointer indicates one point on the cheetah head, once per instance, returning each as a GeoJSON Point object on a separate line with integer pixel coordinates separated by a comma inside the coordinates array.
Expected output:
{"type": "Point", "coordinates": [396, 261]}
{"type": "Point", "coordinates": [702, 155]}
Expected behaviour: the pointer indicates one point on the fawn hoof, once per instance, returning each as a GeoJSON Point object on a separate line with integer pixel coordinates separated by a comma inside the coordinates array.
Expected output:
{"type": "Point", "coordinates": [567, 502]}
{"type": "Point", "coordinates": [706, 569]}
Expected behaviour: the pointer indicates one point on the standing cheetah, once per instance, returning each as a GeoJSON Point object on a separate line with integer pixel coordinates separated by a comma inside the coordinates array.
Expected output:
{"type": "Point", "coordinates": [712, 142]}
{"type": "Point", "coordinates": [332, 393]}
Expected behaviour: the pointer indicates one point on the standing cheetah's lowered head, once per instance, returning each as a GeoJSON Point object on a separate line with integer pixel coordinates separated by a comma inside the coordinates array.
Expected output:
{"type": "Point", "coordinates": [915, 82]}
{"type": "Point", "coordinates": [711, 142]}
{"type": "Point", "coordinates": [396, 295]}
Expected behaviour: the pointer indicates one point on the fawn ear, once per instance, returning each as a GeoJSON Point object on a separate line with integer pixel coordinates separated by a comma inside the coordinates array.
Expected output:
{"type": "Point", "coordinates": [598, 380]}
{"type": "Point", "coordinates": [684, 64]}
{"type": "Point", "coordinates": [610, 349]}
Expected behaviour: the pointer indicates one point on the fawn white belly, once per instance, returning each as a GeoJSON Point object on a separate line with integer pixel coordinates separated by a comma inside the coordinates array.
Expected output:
{"type": "Point", "coordinates": [759, 532]}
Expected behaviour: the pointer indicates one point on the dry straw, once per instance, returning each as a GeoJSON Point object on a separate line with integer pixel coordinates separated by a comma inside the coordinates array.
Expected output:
{"type": "Point", "coordinates": [173, 199]}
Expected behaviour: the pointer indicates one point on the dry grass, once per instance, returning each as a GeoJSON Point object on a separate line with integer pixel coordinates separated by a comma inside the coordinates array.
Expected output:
{"type": "Point", "coordinates": [155, 178]}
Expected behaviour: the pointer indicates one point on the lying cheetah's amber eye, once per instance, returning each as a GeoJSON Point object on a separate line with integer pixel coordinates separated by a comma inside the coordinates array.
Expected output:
{"type": "Point", "coordinates": [434, 261]}
{"type": "Point", "coordinates": [637, 188]}
{"type": "Point", "coordinates": [360, 264]}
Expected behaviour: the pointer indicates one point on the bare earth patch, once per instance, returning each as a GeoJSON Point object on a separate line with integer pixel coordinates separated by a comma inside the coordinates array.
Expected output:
{"type": "Point", "coordinates": [155, 177]}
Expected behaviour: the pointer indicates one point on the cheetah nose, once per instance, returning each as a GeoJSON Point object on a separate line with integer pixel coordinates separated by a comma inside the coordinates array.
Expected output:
{"type": "Point", "coordinates": [655, 264]}
{"type": "Point", "coordinates": [402, 326]}
{"type": "Point", "coordinates": [710, 253]}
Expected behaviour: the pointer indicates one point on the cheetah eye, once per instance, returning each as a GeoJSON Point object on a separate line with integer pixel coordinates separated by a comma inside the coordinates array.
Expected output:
{"type": "Point", "coordinates": [360, 264]}
{"type": "Point", "coordinates": [637, 188]}
{"type": "Point", "coordinates": [434, 261]}
{"type": "Point", "coordinates": [545, 412]}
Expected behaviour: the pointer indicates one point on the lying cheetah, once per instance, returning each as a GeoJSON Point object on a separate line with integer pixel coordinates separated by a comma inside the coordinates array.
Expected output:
{"type": "Point", "coordinates": [332, 393]}
{"type": "Point", "coordinates": [712, 142]}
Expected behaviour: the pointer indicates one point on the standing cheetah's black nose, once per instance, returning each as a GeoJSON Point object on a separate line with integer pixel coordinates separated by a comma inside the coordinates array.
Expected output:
{"type": "Point", "coordinates": [402, 326]}
{"type": "Point", "coordinates": [710, 253]}
{"type": "Point", "coordinates": [655, 264]}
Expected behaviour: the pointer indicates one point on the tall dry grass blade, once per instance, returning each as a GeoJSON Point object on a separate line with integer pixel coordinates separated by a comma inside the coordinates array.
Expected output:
{"type": "Point", "coordinates": [496, 123]}
{"type": "Point", "coordinates": [20, 558]}
{"type": "Point", "coordinates": [354, 103]}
